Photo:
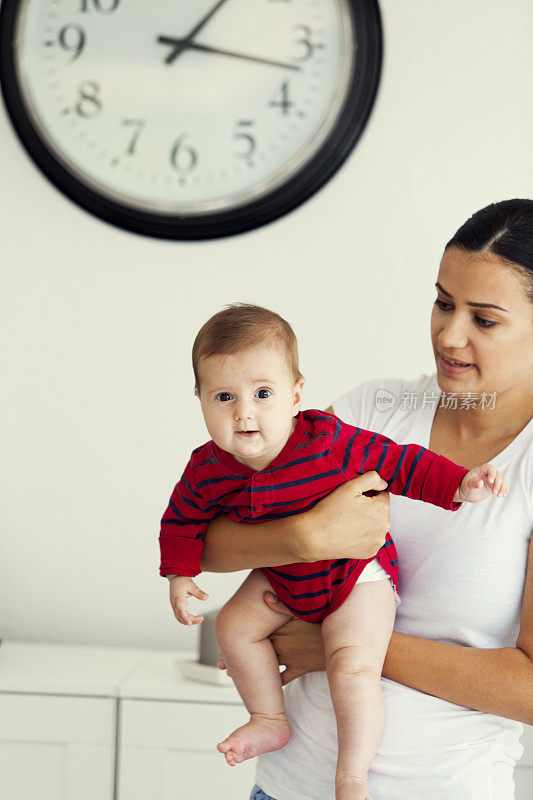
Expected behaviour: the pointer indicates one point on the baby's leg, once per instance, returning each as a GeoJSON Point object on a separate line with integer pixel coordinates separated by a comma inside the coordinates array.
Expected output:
{"type": "Point", "coordinates": [241, 628]}
{"type": "Point", "coordinates": [356, 637]}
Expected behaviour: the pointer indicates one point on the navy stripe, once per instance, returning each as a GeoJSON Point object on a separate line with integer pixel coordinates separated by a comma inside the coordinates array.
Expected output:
{"type": "Point", "coordinates": [322, 591]}
{"type": "Point", "coordinates": [301, 446]}
{"type": "Point", "coordinates": [301, 481]}
{"type": "Point", "coordinates": [349, 450]}
{"type": "Point", "coordinates": [338, 427]}
{"type": "Point", "coordinates": [185, 523]}
{"type": "Point", "coordinates": [209, 461]}
{"type": "Point", "coordinates": [383, 455]}
{"type": "Point", "coordinates": [292, 502]}
{"type": "Point", "coordinates": [303, 460]}
{"type": "Point", "coordinates": [306, 444]}
{"type": "Point", "coordinates": [191, 503]}
{"type": "Point", "coordinates": [366, 451]}
{"type": "Point", "coordinates": [399, 464]}
{"type": "Point", "coordinates": [394, 563]}
{"type": "Point", "coordinates": [209, 481]}
{"type": "Point", "coordinates": [388, 543]}
{"type": "Point", "coordinates": [265, 517]}
{"type": "Point", "coordinates": [320, 574]}
{"type": "Point", "coordinates": [227, 509]}
{"type": "Point", "coordinates": [416, 459]}
{"type": "Point", "coordinates": [422, 487]}
{"type": "Point", "coordinates": [176, 510]}
{"type": "Point", "coordinates": [189, 487]}
{"type": "Point", "coordinates": [313, 594]}
{"type": "Point", "coordinates": [307, 613]}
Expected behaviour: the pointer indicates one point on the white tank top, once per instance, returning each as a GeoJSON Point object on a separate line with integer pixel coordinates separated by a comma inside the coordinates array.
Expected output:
{"type": "Point", "coordinates": [461, 581]}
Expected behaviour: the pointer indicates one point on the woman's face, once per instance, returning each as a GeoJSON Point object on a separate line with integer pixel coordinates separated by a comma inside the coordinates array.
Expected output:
{"type": "Point", "coordinates": [483, 319]}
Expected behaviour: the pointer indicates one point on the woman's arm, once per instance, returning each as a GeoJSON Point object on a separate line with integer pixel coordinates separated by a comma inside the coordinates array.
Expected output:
{"type": "Point", "coordinates": [344, 524]}
{"type": "Point", "coordinates": [496, 681]}
{"type": "Point", "coordinates": [231, 546]}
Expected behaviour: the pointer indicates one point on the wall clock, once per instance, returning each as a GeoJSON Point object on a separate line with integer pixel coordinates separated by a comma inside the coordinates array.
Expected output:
{"type": "Point", "coordinates": [189, 119]}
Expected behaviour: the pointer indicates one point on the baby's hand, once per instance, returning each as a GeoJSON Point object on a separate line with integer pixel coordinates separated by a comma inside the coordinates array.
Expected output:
{"type": "Point", "coordinates": [181, 588]}
{"type": "Point", "coordinates": [480, 483]}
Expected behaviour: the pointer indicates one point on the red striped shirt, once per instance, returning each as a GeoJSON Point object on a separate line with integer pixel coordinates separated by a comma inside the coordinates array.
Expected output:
{"type": "Point", "coordinates": [321, 453]}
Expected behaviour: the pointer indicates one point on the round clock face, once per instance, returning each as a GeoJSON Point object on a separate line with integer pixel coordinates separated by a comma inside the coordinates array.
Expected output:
{"type": "Point", "coordinates": [189, 119]}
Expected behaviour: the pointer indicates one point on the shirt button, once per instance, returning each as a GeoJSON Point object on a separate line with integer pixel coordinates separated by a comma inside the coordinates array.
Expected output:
{"type": "Point", "coordinates": [259, 509]}
{"type": "Point", "coordinates": [260, 478]}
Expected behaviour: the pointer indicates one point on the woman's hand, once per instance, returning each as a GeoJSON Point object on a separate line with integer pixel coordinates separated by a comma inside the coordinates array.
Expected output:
{"type": "Point", "coordinates": [346, 523]}
{"type": "Point", "coordinates": [298, 645]}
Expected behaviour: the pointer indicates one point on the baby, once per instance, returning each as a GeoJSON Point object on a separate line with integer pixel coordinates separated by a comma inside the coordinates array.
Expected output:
{"type": "Point", "coordinates": [268, 459]}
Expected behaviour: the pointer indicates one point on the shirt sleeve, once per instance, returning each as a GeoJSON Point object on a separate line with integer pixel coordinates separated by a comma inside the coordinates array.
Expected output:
{"type": "Point", "coordinates": [183, 528]}
{"type": "Point", "coordinates": [409, 469]}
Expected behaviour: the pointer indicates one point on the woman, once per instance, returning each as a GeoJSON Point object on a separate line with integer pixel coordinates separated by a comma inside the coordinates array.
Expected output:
{"type": "Point", "coordinates": [458, 677]}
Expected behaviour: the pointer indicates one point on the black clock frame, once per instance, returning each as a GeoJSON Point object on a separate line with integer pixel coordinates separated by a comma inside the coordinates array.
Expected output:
{"type": "Point", "coordinates": [364, 81]}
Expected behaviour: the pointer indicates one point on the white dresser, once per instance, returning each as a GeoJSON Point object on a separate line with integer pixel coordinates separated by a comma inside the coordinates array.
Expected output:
{"type": "Point", "coordinates": [103, 723]}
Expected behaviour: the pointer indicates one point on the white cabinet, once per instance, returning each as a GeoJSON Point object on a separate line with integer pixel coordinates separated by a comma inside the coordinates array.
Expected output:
{"type": "Point", "coordinates": [168, 731]}
{"type": "Point", "coordinates": [58, 711]}
{"type": "Point", "coordinates": [97, 723]}
{"type": "Point", "coordinates": [168, 751]}
{"type": "Point", "coordinates": [56, 748]}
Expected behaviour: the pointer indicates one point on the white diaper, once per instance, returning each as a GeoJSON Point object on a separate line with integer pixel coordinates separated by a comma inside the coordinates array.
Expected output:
{"type": "Point", "coordinates": [375, 572]}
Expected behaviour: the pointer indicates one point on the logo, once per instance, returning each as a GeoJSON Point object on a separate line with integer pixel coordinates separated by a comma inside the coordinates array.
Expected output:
{"type": "Point", "coordinates": [384, 400]}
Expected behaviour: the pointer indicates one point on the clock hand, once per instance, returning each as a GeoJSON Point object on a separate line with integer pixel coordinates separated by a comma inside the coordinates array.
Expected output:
{"type": "Point", "coordinates": [205, 49]}
{"type": "Point", "coordinates": [185, 43]}
{"type": "Point", "coordinates": [205, 19]}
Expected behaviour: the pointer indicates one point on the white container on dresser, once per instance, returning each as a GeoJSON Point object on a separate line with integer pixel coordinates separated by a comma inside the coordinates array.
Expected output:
{"type": "Point", "coordinates": [103, 723]}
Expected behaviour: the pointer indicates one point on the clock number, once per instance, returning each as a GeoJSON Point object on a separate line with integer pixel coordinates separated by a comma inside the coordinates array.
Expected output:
{"type": "Point", "coordinates": [306, 42]}
{"type": "Point", "coordinates": [139, 124]}
{"type": "Point", "coordinates": [243, 135]}
{"type": "Point", "coordinates": [89, 103]}
{"type": "Point", "coordinates": [284, 103]}
{"type": "Point", "coordinates": [99, 6]}
{"type": "Point", "coordinates": [72, 39]}
{"type": "Point", "coordinates": [183, 157]}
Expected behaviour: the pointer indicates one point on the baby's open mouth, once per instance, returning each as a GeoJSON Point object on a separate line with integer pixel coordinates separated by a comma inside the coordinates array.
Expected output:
{"type": "Point", "coordinates": [246, 434]}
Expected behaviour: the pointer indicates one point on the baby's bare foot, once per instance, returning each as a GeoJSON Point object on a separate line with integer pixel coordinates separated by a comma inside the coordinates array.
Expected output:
{"type": "Point", "coordinates": [351, 787]}
{"type": "Point", "coordinates": [263, 734]}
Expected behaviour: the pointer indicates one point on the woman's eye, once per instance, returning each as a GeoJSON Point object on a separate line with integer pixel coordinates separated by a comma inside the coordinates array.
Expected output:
{"type": "Point", "coordinates": [224, 397]}
{"type": "Point", "coordinates": [481, 321]}
{"type": "Point", "coordinates": [485, 323]}
{"type": "Point", "coordinates": [263, 394]}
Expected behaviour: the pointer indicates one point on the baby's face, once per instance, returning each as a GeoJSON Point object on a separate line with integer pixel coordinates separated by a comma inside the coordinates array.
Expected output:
{"type": "Point", "coordinates": [249, 401]}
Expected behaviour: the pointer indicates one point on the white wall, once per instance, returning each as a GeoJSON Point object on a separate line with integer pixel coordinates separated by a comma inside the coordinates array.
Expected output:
{"type": "Point", "coordinates": [98, 413]}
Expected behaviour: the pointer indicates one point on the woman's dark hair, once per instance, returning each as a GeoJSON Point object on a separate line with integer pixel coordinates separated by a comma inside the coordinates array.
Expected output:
{"type": "Point", "coordinates": [506, 230]}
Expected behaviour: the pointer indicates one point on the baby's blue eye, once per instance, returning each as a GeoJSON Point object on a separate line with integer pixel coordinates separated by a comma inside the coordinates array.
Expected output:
{"type": "Point", "coordinates": [224, 397]}
{"type": "Point", "coordinates": [263, 394]}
